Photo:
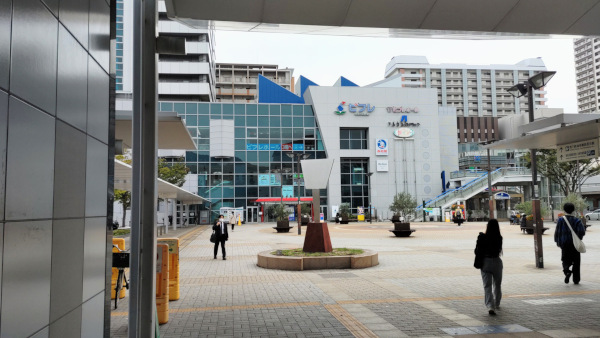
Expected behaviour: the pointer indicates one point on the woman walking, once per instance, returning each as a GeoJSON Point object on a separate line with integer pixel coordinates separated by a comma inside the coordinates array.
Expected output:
{"type": "Point", "coordinates": [489, 246]}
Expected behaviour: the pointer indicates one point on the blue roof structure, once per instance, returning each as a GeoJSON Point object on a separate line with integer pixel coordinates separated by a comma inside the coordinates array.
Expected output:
{"type": "Point", "coordinates": [304, 83]}
{"type": "Point", "coordinates": [347, 83]}
{"type": "Point", "coordinates": [271, 92]}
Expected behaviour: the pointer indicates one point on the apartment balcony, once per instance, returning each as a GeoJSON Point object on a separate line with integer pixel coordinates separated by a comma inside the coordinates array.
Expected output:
{"type": "Point", "coordinates": [229, 91]}
{"type": "Point", "coordinates": [413, 75]}
{"type": "Point", "coordinates": [167, 67]}
{"type": "Point", "coordinates": [197, 47]}
{"type": "Point", "coordinates": [176, 27]}
{"type": "Point", "coordinates": [183, 88]}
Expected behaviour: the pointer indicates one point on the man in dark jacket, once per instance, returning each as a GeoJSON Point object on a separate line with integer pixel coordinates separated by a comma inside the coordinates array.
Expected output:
{"type": "Point", "coordinates": [222, 235]}
{"type": "Point", "coordinates": [564, 239]}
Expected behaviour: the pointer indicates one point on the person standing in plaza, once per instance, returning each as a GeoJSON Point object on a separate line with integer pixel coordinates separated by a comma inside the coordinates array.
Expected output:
{"type": "Point", "coordinates": [489, 246]}
{"type": "Point", "coordinates": [570, 257]}
{"type": "Point", "coordinates": [232, 220]}
{"type": "Point", "coordinates": [222, 235]}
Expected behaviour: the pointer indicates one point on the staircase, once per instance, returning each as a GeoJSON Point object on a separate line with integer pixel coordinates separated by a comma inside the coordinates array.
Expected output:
{"type": "Point", "coordinates": [473, 187]}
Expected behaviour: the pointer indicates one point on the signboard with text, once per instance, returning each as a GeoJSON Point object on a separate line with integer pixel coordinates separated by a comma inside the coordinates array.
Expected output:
{"type": "Point", "coordinates": [287, 191]}
{"type": "Point", "coordinates": [381, 147]}
{"type": "Point", "coordinates": [577, 151]}
{"type": "Point", "coordinates": [382, 165]}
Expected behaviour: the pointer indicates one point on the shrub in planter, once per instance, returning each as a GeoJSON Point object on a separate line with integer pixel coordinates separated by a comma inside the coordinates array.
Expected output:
{"type": "Point", "coordinates": [344, 211]}
{"type": "Point", "coordinates": [403, 206]}
{"type": "Point", "coordinates": [305, 211]}
{"type": "Point", "coordinates": [280, 213]}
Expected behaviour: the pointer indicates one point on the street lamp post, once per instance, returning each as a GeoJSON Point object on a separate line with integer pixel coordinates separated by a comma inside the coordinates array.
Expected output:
{"type": "Point", "coordinates": [369, 174]}
{"type": "Point", "coordinates": [535, 82]}
{"type": "Point", "coordinates": [297, 157]}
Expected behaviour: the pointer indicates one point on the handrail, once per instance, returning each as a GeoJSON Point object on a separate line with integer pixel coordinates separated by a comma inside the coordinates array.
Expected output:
{"type": "Point", "coordinates": [477, 183]}
{"type": "Point", "coordinates": [471, 185]}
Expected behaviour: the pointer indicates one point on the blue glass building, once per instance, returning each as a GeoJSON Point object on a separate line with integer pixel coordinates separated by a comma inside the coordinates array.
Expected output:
{"type": "Point", "coordinates": [260, 172]}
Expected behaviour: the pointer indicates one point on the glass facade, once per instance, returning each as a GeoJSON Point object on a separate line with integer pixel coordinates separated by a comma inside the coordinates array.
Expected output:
{"type": "Point", "coordinates": [262, 134]}
{"type": "Point", "coordinates": [355, 182]}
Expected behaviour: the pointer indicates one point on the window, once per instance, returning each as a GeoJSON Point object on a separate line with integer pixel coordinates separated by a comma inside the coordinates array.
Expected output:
{"type": "Point", "coordinates": [251, 133]}
{"type": "Point", "coordinates": [354, 182]}
{"type": "Point", "coordinates": [352, 138]}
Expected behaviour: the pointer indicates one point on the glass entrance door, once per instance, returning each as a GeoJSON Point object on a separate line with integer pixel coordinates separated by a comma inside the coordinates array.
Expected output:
{"type": "Point", "coordinates": [252, 214]}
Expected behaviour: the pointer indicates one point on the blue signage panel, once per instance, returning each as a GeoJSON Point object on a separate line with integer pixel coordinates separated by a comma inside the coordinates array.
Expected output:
{"type": "Point", "coordinates": [287, 191]}
{"type": "Point", "coordinates": [263, 146]}
{"type": "Point", "coordinates": [298, 146]}
{"type": "Point", "coordinates": [251, 146]}
{"type": "Point", "coordinates": [276, 180]}
{"type": "Point", "coordinates": [264, 180]}
{"type": "Point", "coordinates": [275, 146]}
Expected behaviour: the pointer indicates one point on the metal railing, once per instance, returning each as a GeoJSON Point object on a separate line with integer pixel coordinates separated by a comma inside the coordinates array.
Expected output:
{"type": "Point", "coordinates": [472, 187]}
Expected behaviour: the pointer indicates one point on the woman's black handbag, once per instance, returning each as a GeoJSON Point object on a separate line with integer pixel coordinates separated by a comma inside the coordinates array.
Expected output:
{"type": "Point", "coordinates": [213, 237]}
{"type": "Point", "coordinates": [478, 264]}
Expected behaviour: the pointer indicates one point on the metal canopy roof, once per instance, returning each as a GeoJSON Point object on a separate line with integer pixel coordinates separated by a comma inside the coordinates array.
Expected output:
{"type": "Point", "coordinates": [551, 138]}
{"type": "Point", "coordinates": [172, 132]}
{"type": "Point", "coordinates": [123, 180]}
{"type": "Point", "coordinates": [395, 18]}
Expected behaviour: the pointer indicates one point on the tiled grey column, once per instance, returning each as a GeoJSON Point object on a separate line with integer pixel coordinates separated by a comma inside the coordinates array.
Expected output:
{"type": "Point", "coordinates": [53, 118]}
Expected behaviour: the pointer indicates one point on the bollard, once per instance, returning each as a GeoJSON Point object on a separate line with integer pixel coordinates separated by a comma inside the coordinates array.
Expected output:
{"type": "Point", "coordinates": [162, 283]}
{"type": "Point", "coordinates": [173, 244]}
{"type": "Point", "coordinates": [120, 242]}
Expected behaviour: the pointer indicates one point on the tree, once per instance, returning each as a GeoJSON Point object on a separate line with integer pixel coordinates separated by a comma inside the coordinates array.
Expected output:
{"type": "Point", "coordinates": [527, 208]}
{"type": "Point", "coordinates": [123, 197]}
{"type": "Point", "coordinates": [280, 212]}
{"type": "Point", "coordinates": [344, 210]}
{"type": "Point", "coordinates": [579, 203]}
{"type": "Point", "coordinates": [173, 173]}
{"type": "Point", "coordinates": [569, 175]}
{"type": "Point", "coordinates": [403, 205]}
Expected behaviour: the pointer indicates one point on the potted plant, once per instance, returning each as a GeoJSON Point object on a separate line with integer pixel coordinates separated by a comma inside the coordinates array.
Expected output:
{"type": "Point", "coordinates": [280, 213]}
{"type": "Point", "coordinates": [470, 215]}
{"type": "Point", "coordinates": [305, 211]}
{"type": "Point", "coordinates": [403, 206]}
{"type": "Point", "coordinates": [344, 211]}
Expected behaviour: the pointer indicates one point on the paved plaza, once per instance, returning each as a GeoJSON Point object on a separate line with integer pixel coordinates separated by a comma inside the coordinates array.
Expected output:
{"type": "Point", "coordinates": [424, 286]}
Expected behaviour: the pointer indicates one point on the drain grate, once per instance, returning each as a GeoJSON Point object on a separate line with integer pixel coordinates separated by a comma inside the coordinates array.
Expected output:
{"type": "Point", "coordinates": [338, 275]}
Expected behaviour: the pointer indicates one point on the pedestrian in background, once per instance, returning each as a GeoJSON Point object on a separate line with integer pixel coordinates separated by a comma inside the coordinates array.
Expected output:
{"type": "Point", "coordinates": [570, 257]}
{"type": "Point", "coordinates": [222, 235]}
{"type": "Point", "coordinates": [232, 220]}
{"type": "Point", "coordinates": [489, 245]}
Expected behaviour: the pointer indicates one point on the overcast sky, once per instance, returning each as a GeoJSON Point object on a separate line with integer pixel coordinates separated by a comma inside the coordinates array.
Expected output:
{"type": "Point", "coordinates": [323, 59]}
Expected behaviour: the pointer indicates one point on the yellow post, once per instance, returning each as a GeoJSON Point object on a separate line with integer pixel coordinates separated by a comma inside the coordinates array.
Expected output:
{"type": "Point", "coordinates": [239, 220]}
{"type": "Point", "coordinates": [173, 244]}
{"type": "Point", "coordinates": [119, 242]}
{"type": "Point", "coordinates": [162, 283]}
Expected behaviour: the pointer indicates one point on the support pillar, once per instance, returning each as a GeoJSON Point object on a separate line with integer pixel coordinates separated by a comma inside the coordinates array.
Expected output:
{"type": "Point", "coordinates": [316, 195]}
{"type": "Point", "coordinates": [142, 305]}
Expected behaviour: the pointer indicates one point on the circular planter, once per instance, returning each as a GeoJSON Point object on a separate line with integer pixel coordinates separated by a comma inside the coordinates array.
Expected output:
{"type": "Point", "coordinates": [367, 259]}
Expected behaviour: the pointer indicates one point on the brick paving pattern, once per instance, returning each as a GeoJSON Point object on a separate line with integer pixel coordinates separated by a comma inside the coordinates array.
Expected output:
{"type": "Point", "coordinates": [425, 286]}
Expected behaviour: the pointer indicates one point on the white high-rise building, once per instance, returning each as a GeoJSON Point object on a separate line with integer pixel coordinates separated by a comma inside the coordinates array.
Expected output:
{"type": "Point", "coordinates": [474, 90]}
{"type": "Point", "coordinates": [587, 72]}
{"type": "Point", "coordinates": [189, 77]}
